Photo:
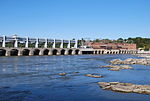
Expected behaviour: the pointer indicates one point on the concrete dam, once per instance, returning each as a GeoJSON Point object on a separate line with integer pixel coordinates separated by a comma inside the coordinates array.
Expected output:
{"type": "Point", "coordinates": [25, 46]}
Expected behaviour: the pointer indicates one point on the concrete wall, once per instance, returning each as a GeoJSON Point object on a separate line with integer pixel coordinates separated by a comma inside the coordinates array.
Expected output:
{"type": "Point", "coordinates": [59, 51]}
{"type": "Point", "coordinates": [38, 51]}
{"type": "Point", "coordinates": [103, 51]}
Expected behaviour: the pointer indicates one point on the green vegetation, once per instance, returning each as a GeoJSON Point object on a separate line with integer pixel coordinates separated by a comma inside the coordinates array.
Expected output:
{"type": "Point", "coordinates": [41, 45]}
{"type": "Point", "coordinates": [21, 45]}
{"type": "Point", "coordinates": [140, 42]}
{"type": "Point", "coordinates": [57, 45]}
{"type": "Point", "coordinates": [31, 45]}
{"type": "Point", "coordinates": [80, 42]}
{"type": "Point", "coordinates": [9, 44]}
{"type": "Point", "coordinates": [49, 45]}
{"type": "Point", "coordinates": [65, 45]}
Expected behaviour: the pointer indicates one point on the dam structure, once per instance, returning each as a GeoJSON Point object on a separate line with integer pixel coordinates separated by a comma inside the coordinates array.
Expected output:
{"type": "Point", "coordinates": [26, 46]}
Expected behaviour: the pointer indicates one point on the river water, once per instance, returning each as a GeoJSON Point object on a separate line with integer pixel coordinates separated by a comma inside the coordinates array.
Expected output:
{"type": "Point", "coordinates": [35, 78]}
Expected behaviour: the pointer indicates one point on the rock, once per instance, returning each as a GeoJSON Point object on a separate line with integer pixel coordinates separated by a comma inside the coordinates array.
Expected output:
{"type": "Point", "coordinates": [137, 91]}
{"type": "Point", "coordinates": [131, 61]}
{"type": "Point", "coordinates": [94, 76]}
{"type": "Point", "coordinates": [125, 67]}
{"type": "Point", "coordinates": [107, 66]}
{"type": "Point", "coordinates": [113, 83]}
{"type": "Point", "coordinates": [104, 85]}
{"type": "Point", "coordinates": [128, 60]}
{"type": "Point", "coordinates": [114, 69]}
{"type": "Point", "coordinates": [146, 92]}
{"type": "Point", "coordinates": [62, 74]}
{"type": "Point", "coordinates": [110, 66]}
{"type": "Point", "coordinates": [119, 88]}
{"type": "Point", "coordinates": [125, 87]}
{"type": "Point", "coordinates": [116, 61]}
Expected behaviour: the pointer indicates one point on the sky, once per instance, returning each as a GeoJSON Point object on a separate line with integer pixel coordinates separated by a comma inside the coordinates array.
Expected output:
{"type": "Point", "coordinates": [67, 19]}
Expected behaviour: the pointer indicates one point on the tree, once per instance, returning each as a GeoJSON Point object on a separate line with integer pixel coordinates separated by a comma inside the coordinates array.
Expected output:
{"type": "Point", "coordinates": [140, 42]}
{"type": "Point", "coordinates": [120, 40]}
{"type": "Point", "coordinates": [97, 40]}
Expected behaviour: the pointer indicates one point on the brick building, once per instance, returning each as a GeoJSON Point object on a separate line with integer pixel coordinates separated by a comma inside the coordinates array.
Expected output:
{"type": "Point", "coordinates": [98, 45]}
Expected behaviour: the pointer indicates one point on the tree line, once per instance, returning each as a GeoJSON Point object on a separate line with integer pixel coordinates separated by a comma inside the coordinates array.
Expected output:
{"type": "Point", "coordinates": [139, 41]}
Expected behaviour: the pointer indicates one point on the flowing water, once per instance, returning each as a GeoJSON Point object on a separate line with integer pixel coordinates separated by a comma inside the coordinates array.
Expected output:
{"type": "Point", "coordinates": [35, 78]}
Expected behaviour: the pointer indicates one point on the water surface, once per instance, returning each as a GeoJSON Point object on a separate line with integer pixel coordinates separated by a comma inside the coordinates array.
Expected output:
{"type": "Point", "coordinates": [35, 78]}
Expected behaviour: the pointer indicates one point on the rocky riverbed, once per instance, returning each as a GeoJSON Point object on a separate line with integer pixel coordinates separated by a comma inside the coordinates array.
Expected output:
{"type": "Point", "coordinates": [125, 87]}
{"type": "Point", "coordinates": [143, 61]}
{"type": "Point", "coordinates": [116, 67]}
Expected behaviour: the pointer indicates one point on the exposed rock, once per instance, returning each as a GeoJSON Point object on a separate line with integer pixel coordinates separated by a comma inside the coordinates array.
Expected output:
{"type": "Point", "coordinates": [131, 61]}
{"type": "Point", "coordinates": [117, 67]}
{"type": "Point", "coordinates": [110, 66]}
{"type": "Point", "coordinates": [116, 61]}
{"type": "Point", "coordinates": [125, 67]}
{"type": "Point", "coordinates": [114, 69]}
{"type": "Point", "coordinates": [125, 87]}
{"type": "Point", "coordinates": [94, 76]}
{"type": "Point", "coordinates": [62, 74]}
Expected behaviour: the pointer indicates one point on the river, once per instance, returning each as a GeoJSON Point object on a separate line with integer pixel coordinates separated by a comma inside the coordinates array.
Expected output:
{"type": "Point", "coordinates": [35, 78]}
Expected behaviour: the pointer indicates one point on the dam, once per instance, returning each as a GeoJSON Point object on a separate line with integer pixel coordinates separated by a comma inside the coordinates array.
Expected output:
{"type": "Point", "coordinates": [26, 46]}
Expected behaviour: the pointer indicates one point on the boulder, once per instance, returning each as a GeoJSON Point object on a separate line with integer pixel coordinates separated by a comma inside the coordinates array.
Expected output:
{"type": "Point", "coordinates": [116, 61]}
{"type": "Point", "coordinates": [104, 85]}
{"type": "Point", "coordinates": [62, 74]}
{"type": "Point", "coordinates": [125, 87]}
{"type": "Point", "coordinates": [117, 67]}
{"type": "Point", "coordinates": [131, 61]}
{"type": "Point", "coordinates": [125, 67]}
{"type": "Point", "coordinates": [113, 83]}
{"type": "Point", "coordinates": [114, 69]}
{"type": "Point", "coordinates": [109, 66]}
{"type": "Point", "coordinates": [119, 88]}
{"type": "Point", "coordinates": [94, 76]}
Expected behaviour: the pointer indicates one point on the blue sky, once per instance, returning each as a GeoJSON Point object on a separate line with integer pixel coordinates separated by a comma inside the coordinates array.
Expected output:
{"type": "Point", "coordinates": [75, 18]}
